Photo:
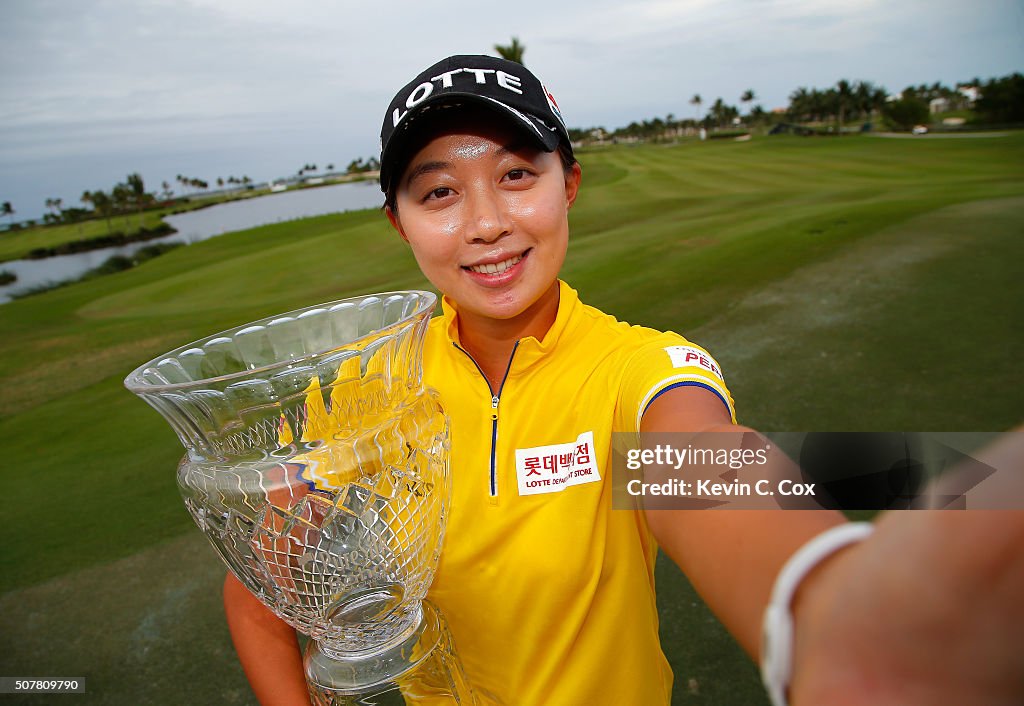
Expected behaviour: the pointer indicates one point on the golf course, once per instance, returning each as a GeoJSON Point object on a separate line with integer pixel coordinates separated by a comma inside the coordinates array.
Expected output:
{"type": "Point", "coordinates": [855, 283]}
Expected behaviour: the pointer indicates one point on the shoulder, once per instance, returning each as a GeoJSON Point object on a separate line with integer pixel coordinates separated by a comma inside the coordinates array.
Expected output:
{"type": "Point", "coordinates": [649, 362]}
{"type": "Point", "coordinates": [626, 338]}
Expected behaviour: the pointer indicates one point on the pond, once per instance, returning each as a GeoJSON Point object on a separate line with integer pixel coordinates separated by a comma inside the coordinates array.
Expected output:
{"type": "Point", "coordinates": [204, 223]}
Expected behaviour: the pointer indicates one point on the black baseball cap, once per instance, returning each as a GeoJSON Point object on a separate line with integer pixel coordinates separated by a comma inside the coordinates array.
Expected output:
{"type": "Point", "coordinates": [507, 87]}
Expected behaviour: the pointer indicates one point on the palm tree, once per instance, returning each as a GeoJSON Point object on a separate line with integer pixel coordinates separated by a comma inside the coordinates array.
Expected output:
{"type": "Point", "coordinates": [879, 98]}
{"type": "Point", "coordinates": [121, 197]}
{"type": "Point", "coordinates": [512, 52]}
{"type": "Point", "coordinates": [843, 98]}
{"type": "Point", "coordinates": [696, 101]}
{"type": "Point", "coordinates": [8, 210]}
{"type": "Point", "coordinates": [102, 205]}
{"type": "Point", "coordinates": [799, 101]}
{"type": "Point", "coordinates": [862, 98]}
{"type": "Point", "coordinates": [748, 96]}
{"type": "Point", "coordinates": [138, 193]}
{"type": "Point", "coordinates": [820, 104]}
{"type": "Point", "coordinates": [722, 114]}
{"type": "Point", "coordinates": [54, 205]}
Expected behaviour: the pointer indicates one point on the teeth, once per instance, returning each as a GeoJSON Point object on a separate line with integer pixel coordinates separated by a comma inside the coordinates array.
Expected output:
{"type": "Point", "coordinates": [497, 267]}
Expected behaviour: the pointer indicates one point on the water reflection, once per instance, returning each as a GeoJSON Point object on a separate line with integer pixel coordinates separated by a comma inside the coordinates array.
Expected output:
{"type": "Point", "coordinates": [195, 226]}
{"type": "Point", "coordinates": [274, 208]}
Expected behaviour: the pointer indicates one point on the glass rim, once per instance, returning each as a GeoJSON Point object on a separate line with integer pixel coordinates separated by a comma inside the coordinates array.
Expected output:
{"type": "Point", "coordinates": [138, 385]}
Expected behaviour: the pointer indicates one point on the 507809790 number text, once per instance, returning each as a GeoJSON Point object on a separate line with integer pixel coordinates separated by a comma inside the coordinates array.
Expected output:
{"type": "Point", "coordinates": [47, 685]}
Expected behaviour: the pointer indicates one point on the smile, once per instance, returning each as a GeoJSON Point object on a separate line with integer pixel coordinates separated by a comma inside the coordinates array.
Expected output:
{"type": "Point", "coordinates": [495, 268]}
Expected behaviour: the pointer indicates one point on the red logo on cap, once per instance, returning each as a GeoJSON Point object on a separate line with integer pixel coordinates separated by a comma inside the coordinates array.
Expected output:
{"type": "Point", "coordinates": [552, 104]}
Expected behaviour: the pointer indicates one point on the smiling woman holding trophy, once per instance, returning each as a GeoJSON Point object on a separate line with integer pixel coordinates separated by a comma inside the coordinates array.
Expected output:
{"type": "Point", "coordinates": [333, 478]}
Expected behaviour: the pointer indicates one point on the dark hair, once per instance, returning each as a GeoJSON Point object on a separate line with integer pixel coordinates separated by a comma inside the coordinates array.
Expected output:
{"type": "Point", "coordinates": [565, 154]}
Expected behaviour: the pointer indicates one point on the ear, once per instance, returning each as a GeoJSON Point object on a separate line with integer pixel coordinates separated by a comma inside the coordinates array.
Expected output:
{"type": "Point", "coordinates": [395, 222]}
{"type": "Point", "coordinates": [572, 184]}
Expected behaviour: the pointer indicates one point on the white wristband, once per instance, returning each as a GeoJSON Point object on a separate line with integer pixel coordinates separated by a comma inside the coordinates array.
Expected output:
{"type": "Point", "coordinates": [777, 628]}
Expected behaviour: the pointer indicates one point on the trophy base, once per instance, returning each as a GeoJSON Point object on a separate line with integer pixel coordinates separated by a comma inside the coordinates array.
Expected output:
{"type": "Point", "coordinates": [420, 667]}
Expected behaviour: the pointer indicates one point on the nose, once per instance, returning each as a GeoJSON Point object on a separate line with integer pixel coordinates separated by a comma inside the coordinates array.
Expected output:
{"type": "Point", "coordinates": [487, 217]}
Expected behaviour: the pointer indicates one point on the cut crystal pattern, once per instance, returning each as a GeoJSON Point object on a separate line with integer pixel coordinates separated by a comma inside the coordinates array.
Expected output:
{"type": "Point", "coordinates": [317, 466]}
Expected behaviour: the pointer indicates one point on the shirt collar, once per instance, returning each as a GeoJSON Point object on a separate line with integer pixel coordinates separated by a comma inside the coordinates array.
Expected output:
{"type": "Point", "coordinates": [529, 348]}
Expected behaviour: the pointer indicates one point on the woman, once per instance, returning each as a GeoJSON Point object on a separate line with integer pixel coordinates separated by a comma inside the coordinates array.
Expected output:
{"type": "Point", "coordinates": [547, 589]}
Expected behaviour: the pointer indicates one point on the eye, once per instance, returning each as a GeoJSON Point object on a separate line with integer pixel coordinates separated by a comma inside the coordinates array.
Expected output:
{"type": "Point", "coordinates": [519, 175]}
{"type": "Point", "coordinates": [438, 193]}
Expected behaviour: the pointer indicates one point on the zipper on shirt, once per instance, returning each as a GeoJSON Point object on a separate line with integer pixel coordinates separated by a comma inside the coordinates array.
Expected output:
{"type": "Point", "coordinates": [495, 402]}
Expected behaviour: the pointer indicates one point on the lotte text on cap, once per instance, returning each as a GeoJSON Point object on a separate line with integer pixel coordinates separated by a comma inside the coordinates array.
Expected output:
{"type": "Point", "coordinates": [503, 85]}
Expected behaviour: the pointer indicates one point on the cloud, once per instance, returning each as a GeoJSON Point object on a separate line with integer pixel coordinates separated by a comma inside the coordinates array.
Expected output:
{"type": "Point", "coordinates": [196, 77]}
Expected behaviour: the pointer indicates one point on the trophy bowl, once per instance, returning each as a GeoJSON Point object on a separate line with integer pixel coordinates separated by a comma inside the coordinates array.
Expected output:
{"type": "Point", "coordinates": [316, 465]}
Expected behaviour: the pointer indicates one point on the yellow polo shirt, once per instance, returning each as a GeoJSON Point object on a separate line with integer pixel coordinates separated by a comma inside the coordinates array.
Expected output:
{"type": "Point", "coordinates": [548, 591]}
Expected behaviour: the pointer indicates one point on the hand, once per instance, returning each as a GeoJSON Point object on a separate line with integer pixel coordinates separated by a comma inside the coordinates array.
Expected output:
{"type": "Point", "coordinates": [927, 611]}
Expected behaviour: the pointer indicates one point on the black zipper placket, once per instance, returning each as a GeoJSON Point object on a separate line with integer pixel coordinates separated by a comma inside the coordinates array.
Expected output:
{"type": "Point", "coordinates": [495, 401]}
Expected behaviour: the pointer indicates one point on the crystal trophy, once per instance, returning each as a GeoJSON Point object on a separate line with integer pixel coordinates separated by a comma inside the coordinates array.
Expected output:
{"type": "Point", "coordinates": [316, 464]}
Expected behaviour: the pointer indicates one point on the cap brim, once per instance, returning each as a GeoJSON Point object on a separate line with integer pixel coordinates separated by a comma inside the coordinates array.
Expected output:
{"type": "Point", "coordinates": [541, 135]}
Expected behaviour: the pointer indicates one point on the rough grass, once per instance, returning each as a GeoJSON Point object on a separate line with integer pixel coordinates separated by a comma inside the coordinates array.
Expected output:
{"type": "Point", "coordinates": [842, 284]}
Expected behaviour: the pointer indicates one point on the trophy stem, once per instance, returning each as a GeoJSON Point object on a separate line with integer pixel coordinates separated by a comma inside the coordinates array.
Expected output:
{"type": "Point", "coordinates": [419, 666]}
{"type": "Point", "coordinates": [341, 650]}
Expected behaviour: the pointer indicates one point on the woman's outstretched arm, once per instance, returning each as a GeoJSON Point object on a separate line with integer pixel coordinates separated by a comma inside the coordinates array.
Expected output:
{"type": "Point", "coordinates": [266, 647]}
{"type": "Point", "coordinates": [926, 610]}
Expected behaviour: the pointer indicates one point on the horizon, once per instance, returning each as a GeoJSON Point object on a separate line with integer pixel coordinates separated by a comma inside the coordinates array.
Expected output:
{"type": "Point", "coordinates": [229, 88]}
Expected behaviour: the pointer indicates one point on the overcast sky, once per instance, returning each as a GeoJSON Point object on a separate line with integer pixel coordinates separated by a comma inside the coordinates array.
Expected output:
{"type": "Point", "coordinates": [91, 90]}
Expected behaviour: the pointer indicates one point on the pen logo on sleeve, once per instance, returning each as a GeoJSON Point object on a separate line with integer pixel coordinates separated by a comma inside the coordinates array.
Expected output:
{"type": "Point", "coordinates": [688, 357]}
{"type": "Point", "coordinates": [553, 468]}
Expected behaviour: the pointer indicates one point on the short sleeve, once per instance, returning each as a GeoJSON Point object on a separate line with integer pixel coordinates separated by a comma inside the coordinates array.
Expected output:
{"type": "Point", "coordinates": [664, 362]}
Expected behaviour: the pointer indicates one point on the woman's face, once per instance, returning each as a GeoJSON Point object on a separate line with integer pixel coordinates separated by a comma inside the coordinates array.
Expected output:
{"type": "Point", "coordinates": [486, 216]}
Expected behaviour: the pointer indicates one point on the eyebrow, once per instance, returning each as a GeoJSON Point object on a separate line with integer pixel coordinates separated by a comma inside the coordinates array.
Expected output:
{"type": "Point", "coordinates": [437, 166]}
{"type": "Point", "coordinates": [426, 168]}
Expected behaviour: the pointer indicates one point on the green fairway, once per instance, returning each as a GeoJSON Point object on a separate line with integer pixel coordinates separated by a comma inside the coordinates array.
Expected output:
{"type": "Point", "coordinates": [17, 244]}
{"type": "Point", "coordinates": [842, 284]}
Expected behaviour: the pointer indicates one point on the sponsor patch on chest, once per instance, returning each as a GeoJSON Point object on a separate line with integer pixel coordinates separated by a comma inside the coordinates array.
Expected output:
{"type": "Point", "coordinates": [553, 468]}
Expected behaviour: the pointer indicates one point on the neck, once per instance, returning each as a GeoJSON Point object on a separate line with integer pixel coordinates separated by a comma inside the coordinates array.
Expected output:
{"type": "Point", "coordinates": [491, 341]}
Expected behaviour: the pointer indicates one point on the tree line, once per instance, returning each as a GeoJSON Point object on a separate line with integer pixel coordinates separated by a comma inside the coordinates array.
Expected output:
{"type": "Point", "coordinates": [130, 196]}
{"type": "Point", "coordinates": [999, 101]}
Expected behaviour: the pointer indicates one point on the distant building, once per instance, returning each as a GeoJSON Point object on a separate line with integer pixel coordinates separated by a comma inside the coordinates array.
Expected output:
{"type": "Point", "coordinates": [971, 93]}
